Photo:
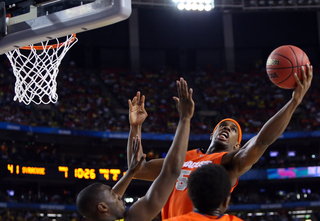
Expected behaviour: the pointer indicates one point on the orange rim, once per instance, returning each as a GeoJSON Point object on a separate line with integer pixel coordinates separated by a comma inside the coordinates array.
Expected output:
{"type": "Point", "coordinates": [49, 46]}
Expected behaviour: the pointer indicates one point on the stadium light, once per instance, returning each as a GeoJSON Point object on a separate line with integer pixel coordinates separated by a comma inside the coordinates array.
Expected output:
{"type": "Point", "coordinates": [128, 200]}
{"type": "Point", "coordinates": [188, 7]}
{"type": "Point", "coordinates": [195, 5]}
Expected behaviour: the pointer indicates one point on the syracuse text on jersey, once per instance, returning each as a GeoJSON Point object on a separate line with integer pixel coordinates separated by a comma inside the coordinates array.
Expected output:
{"type": "Point", "coordinates": [190, 164]}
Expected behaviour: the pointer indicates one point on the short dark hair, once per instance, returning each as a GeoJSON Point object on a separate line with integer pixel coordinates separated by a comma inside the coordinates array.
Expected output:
{"type": "Point", "coordinates": [208, 187]}
{"type": "Point", "coordinates": [87, 200]}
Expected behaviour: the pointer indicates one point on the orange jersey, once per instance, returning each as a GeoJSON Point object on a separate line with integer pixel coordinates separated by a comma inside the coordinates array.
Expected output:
{"type": "Point", "coordinates": [179, 202]}
{"type": "Point", "coordinates": [193, 216]}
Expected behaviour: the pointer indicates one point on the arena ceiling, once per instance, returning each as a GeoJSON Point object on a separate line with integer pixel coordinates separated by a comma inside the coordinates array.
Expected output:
{"type": "Point", "coordinates": [243, 5]}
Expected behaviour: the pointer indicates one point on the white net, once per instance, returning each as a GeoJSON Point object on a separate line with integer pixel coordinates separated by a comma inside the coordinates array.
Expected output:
{"type": "Point", "coordinates": [36, 69]}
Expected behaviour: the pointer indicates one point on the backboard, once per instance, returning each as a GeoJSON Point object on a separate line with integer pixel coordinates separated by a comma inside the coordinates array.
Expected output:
{"type": "Point", "coordinates": [25, 22]}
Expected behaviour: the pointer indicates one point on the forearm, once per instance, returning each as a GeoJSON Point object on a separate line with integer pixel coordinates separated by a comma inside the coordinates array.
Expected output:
{"type": "Point", "coordinates": [120, 187]}
{"type": "Point", "coordinates": [161, 188]}
{"type": "Point", "coordinates": [177, 153]}
{"type": "Point", "coordinates": [134, 130]}
{"type": "Point", "coordinates": [274, 127]}
{"type": "Point", "coordinates": [150, 170]}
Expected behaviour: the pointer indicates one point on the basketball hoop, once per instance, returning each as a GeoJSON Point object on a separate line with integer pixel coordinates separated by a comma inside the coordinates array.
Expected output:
{"type": "Point", "coordinates": [36, 69]}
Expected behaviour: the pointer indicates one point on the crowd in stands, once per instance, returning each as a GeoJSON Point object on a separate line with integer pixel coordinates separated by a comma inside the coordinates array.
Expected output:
{"type": "Point", "coordinates": [275, 196]}
{"type": "Point", "coordinates": [97, 100]}
{"type": "Point", "coordinates": [248, 97]}
{"type": "Point", "coordinates": [158, 87]}
{"type": "Point", "coordinates": [24, 195]}
{"type": "Point", "coordinates": [41, 154]}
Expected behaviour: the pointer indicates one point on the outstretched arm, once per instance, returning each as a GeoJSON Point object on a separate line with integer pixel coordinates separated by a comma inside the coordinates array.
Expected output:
{"type": "Point", "coordinates": [150, 205]}
{"type": "Point", "coordinates": [137, 115]}
{"type": "Point", "coordinates": [135, 166]}
{"type": "Point", "coordinates": [251, 152]}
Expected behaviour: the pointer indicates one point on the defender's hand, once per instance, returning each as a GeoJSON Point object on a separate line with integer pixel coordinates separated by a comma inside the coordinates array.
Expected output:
{"type": "Point", "coordinates": [137, 111]}
{"type": "Point", "coordinates": [136, 160]}
{"type": "Point", "coordinates": [184, 101]}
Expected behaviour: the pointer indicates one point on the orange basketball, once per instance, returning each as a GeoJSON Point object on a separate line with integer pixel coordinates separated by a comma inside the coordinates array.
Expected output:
{"type": "Point", "coordinates": [283, 62]}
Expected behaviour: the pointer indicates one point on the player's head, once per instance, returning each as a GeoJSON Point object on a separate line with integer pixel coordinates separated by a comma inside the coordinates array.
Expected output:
{"type": "Point", "coordinates": [209, 189]}
{"type": "Point", "coordinates": [98, 202]}
{"type": "Point", "coordinates": [227, 134]}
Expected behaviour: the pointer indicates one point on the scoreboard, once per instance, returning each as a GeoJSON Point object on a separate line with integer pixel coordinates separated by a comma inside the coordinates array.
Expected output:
{"type": "Point", "coordinates": [60, 172]}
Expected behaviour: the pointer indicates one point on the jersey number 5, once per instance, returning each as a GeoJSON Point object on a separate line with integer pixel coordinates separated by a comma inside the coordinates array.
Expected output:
{"type": "Point", "coordinates": [182, 182]}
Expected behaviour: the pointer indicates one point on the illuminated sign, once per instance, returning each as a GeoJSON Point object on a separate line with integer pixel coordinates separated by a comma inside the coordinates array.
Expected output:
{"type": "Point", "coordinates": [34, 170]}
{"type": "Point", "coordinates": [64, 172]}
{"type": "Point", "coordinates": [64, 169]}
{"type": "Point", "coordinates": [113, 172]}
{"type": "Point", "coordinates": [85, 173]}
{"type": "Point", "coordinates": [293, 172]}
{"type": "Point", "coordinates": [26, 170]}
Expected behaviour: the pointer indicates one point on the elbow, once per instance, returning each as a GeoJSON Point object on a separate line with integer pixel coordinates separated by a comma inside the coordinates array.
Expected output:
{"type": "Point", "coordinates": [172, 165]}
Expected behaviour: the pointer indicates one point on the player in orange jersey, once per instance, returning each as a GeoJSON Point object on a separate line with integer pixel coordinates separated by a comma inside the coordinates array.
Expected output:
{"type": "Point", "coordinates": [224, 148]}
{"type": "Point", "coordinates": [208, 203]}
{"type": "Point", "coordinates": [101, 202]}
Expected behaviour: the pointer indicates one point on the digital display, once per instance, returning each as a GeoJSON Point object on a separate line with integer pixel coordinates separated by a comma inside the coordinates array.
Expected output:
{"type": "Point", "coordinates": [63, 172]}
{"type": "Point", "coordinates": [293, 172]}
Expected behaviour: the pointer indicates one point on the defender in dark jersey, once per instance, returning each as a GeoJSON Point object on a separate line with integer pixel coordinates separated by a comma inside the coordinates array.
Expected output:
{"type": "Point", "coordinates": [101, 202]}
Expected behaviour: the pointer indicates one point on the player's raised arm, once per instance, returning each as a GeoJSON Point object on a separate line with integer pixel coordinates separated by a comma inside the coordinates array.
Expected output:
{"type": "Point", "coordinates": [101, 202]}
{"type": "Point", "coordinates": [150, 205]}
{"type": "Point", "coordinates": [251, 152]}
{"type": "Point", "coordinates": [134, 167]}
{"type": "Point", "coordinates": [137, 115]}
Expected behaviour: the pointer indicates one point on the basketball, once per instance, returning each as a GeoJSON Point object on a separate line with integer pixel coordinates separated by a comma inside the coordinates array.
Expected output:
{"type": "Point", "coordinates": [283, 62]}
